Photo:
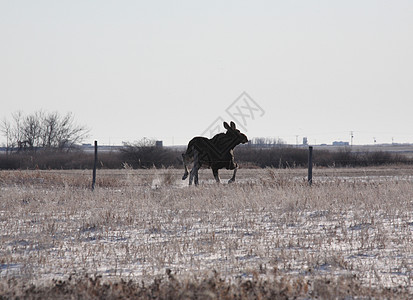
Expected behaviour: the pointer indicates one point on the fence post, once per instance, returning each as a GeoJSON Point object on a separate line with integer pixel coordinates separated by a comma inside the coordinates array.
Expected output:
{"type": "Point", "coordinates": [310, 165]}
{"type": "Point", "coordinates": [94, 166]}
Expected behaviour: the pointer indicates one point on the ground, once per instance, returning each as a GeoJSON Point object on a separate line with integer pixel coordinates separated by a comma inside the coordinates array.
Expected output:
{"type": "Point", "coordinates": [350, 233]}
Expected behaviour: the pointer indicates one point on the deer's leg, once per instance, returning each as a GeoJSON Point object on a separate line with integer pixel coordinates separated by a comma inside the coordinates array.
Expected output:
{"type": "Point", "coordinates": [185, 161]}
{"type": "Point", "coordinates": [185, 176]}
{"type": "Point", "coordinates": [233, 175]}
{"type": "Point", "coordinates": [194, 172]}
{"type": "Point", "coordinates": [196, 166]}
{"type": "Point", "coordinates": [196, 175]}
{"type": "Point", "coordinates": [193, 175]}
{"type": "Point", "coordinates": [216, 176]}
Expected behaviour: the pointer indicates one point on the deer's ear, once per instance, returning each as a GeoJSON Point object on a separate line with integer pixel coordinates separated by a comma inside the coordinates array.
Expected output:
{"type": "Point", "coordinates": [233, 125]}
{"type": "Point", "coordinates": [226, 126]}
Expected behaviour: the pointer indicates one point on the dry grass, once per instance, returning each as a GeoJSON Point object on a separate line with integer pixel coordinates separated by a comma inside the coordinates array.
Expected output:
{"type": "Point", "coordinates": [267, 235]}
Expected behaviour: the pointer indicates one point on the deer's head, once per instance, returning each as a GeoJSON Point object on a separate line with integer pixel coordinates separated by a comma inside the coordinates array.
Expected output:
{"type": "Point", "coordinates": [234, 133]}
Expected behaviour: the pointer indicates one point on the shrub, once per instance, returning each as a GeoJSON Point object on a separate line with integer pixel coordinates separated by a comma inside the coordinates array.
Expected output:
{"type": "Point", "coordinates": [277, 157]}
{"type": "Point", "coordinates": [146, 154]}
{"type": "Point", "coordinates": [286, 157]}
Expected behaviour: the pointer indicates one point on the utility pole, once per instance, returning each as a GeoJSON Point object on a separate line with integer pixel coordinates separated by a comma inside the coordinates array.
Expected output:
{"type": "Point", "coordinates": [94, 166]}
{"type": "Point", "coordinates": [310, 165]}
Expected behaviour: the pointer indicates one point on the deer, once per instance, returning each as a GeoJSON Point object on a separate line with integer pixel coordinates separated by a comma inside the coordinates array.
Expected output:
{"type": "Point", "coordinates": [215, 153]}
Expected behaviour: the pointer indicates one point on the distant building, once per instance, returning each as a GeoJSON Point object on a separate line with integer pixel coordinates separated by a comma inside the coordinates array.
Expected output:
{"type": "Point", "coordinates": [340, 143]}
{"type": "Point", "coordinates": [305, 141]}
{"type": "Point", "coordinates": [159, 144]}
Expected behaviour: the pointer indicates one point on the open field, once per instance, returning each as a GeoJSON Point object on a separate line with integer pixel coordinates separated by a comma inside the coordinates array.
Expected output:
{"type": "Point", "coordinates": [351, 233]}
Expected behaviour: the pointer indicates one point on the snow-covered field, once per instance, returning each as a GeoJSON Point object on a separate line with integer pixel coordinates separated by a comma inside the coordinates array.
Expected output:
{"type": "Point", "coordinates": [352, 224]}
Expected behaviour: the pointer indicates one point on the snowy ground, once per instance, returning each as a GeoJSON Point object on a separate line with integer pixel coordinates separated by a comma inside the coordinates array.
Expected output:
{"type": "Point", "coordinates": [352, 223]}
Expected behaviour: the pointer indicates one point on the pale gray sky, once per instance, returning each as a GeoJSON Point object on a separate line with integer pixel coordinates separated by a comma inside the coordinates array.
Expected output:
{"type": "Point", "coordinates": [168, 69]}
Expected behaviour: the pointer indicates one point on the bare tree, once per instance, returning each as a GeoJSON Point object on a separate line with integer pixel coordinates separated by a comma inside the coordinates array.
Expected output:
{"type": "Point", "coordinates": [68, 133]}
{"type": "Point", "coordinates": [32, 130]}
{"type": "Point", "coordinates": [42, 130]}
{"type": "Point", "coordinates": [17, 129]}
{"type": "Point", "coordinates": [12, 131]}
{"type": "Point", "coordinates": [262, 141]}
{"type": "Point", "coordinates": [51, 125]}
{"type": "Point", "coordinates": [6, 129]}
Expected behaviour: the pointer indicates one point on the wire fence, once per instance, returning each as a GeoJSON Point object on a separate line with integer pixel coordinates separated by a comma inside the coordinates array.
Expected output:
{"type": "Point", "coordinates": [164, 157]}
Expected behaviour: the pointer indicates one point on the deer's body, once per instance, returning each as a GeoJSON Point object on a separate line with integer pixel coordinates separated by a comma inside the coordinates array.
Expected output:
{"type": "Point", "coordinates": [216, 153]}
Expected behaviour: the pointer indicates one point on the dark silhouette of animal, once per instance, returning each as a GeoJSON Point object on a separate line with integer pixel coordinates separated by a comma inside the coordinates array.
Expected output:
{"type": "Point", "coordinates": [215, 153]}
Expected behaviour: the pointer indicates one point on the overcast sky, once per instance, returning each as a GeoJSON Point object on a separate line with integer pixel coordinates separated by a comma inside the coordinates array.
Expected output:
{"type": "Point", "coordinates": [169, 69]}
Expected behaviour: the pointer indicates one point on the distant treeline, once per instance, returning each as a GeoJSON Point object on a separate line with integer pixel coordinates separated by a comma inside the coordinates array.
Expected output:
{"type": "Point", "coordinates": [291, 157]}
{"type": "Point", "coordinates": [149, 156]}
